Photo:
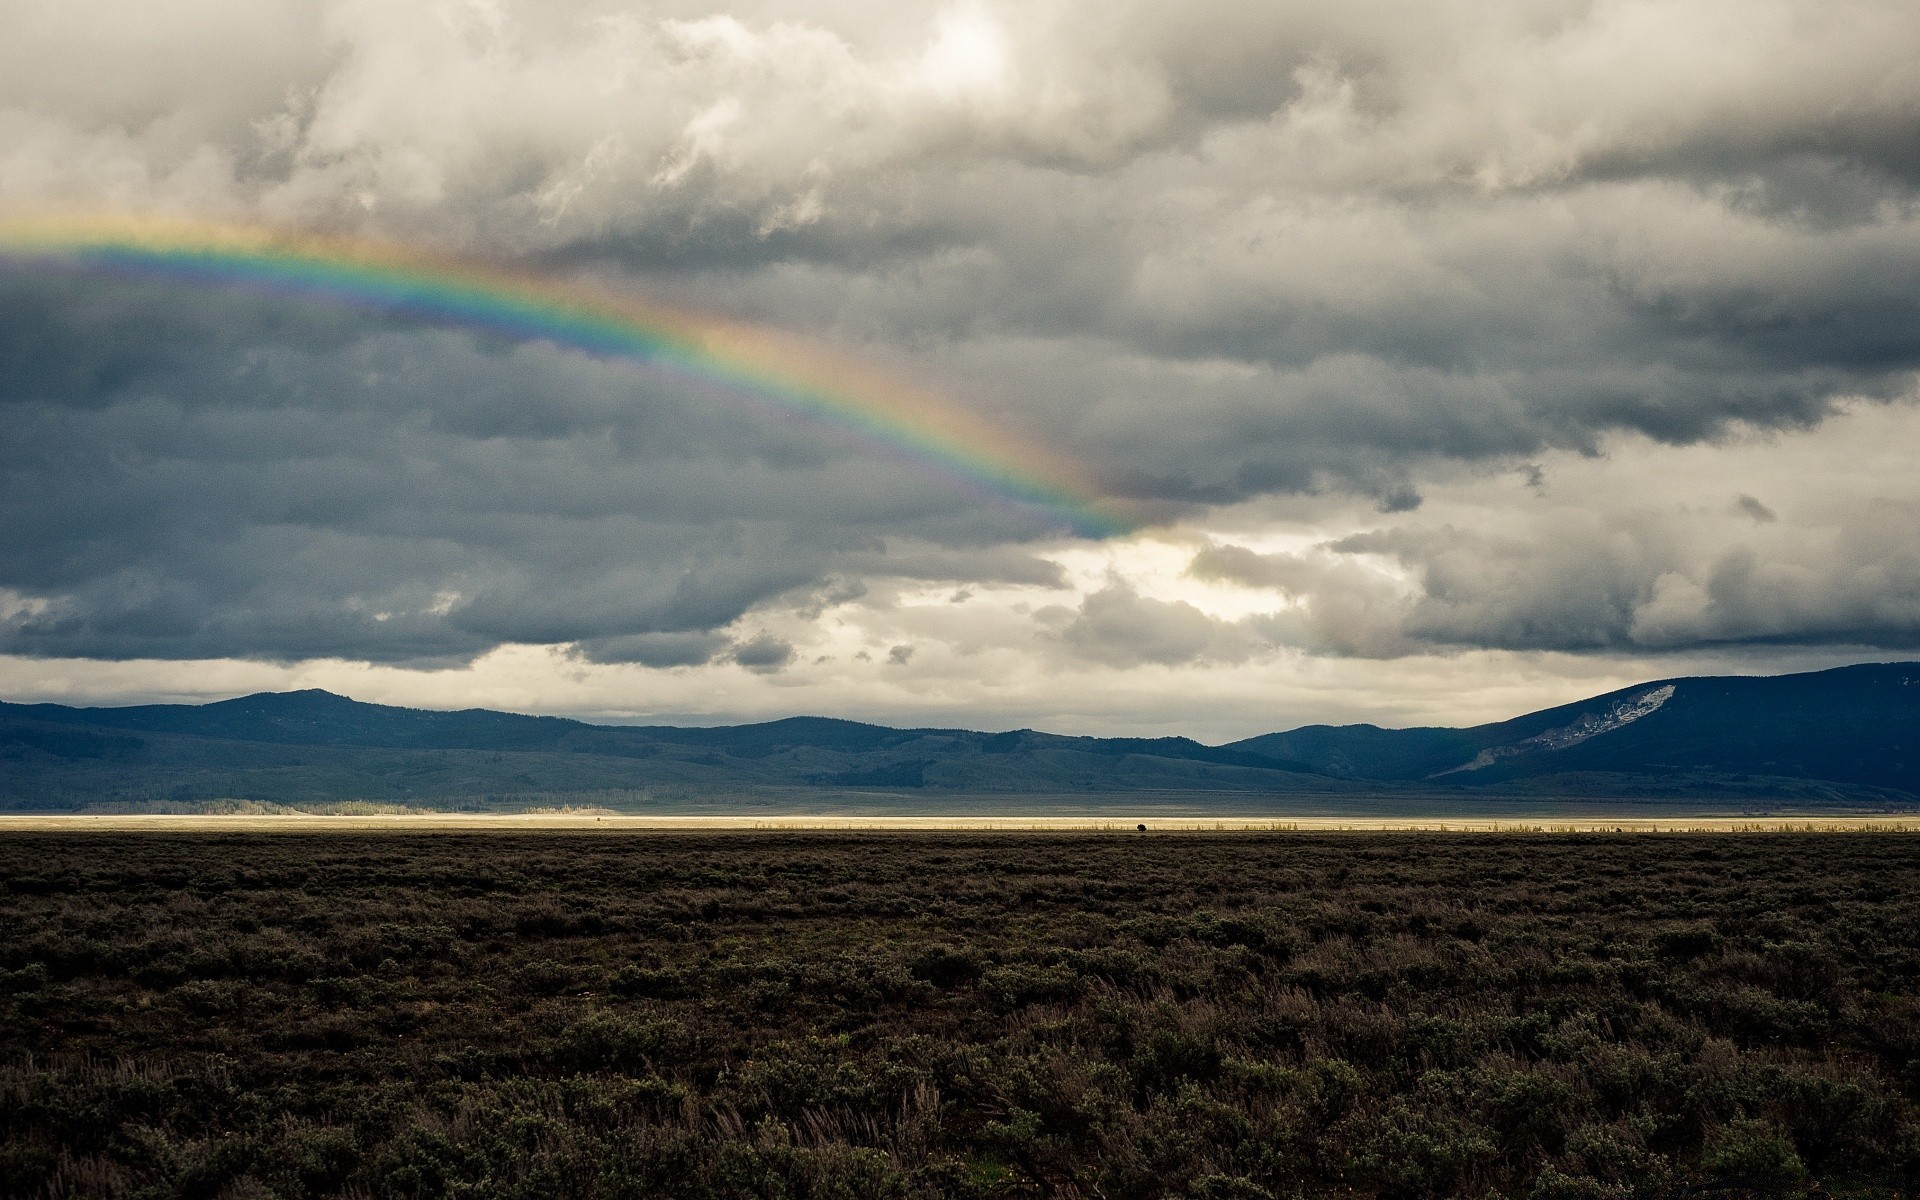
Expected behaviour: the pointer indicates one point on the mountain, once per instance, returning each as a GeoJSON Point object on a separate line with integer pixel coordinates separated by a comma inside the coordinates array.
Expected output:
{"type": "Point", "coordinates": [313, 746]}
{"type": "Point", "coordinates": [1852, 726]}
{"type": "Point", "coordinates": [1847, 737]}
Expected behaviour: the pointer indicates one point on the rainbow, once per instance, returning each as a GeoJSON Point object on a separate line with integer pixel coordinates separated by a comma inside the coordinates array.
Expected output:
{"type": "Point", "coordinates": [418, 284]}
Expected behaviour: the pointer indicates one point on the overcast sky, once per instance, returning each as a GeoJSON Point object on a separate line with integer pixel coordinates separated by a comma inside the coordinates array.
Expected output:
{"type": "Point", "coordinates": [1479, 355]}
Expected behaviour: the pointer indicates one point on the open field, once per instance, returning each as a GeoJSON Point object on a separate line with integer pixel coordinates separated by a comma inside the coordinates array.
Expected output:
{"type": "Point", "coordinates": [688, 1013]}
{"type": "Point", "coordinates": [852, 822]}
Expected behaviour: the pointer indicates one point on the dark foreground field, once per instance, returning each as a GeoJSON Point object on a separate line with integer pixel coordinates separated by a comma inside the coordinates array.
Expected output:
{"type": "Point", "coordinates": [550, 1015]}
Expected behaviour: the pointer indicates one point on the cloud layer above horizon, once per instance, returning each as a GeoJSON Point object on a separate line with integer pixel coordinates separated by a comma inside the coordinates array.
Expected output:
{"type": "Point", "coordinates": [1459, 342]}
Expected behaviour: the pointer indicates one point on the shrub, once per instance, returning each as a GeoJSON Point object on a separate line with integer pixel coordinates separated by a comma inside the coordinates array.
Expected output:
{"type": "Point", "coordinates": [1753, 1154]}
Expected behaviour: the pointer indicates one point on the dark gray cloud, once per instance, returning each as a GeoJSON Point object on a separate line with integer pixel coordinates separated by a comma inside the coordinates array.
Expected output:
{"type": "Point", "coordinates": [1220, 252]}
{"type": "Point", "coordinates": [765, 653]}
{"type": "Point", "coordinates": [654, 649]}
{"type": "Point", "coordinates": [209, 486]}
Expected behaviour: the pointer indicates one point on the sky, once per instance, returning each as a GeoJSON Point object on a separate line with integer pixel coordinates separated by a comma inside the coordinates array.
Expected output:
{"type": "Point", "coordinates": [1467, 357]}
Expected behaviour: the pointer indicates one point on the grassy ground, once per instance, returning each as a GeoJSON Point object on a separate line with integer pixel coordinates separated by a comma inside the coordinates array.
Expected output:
{"type": "Point", "coordinates": [953, 1014]}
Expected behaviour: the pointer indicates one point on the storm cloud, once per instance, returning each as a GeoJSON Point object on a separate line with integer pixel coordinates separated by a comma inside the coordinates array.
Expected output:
{"type": "Point", "coordinates": [1231, 257]}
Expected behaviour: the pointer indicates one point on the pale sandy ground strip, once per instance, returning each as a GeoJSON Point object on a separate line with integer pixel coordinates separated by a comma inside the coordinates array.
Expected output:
{"type": "Point", "coordinates": [525, 822]}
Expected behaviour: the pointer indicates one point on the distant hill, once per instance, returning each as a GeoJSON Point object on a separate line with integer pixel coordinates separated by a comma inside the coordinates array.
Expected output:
{"type": "Point", "coordinates": [1846, 737]}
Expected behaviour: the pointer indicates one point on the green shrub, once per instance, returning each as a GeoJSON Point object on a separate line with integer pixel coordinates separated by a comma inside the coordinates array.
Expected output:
{"type": "Point", "coordinates": [1753, 1154]}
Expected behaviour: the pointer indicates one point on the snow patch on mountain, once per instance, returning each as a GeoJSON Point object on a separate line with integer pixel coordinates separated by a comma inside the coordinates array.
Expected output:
{"type": "Point", "coordinates": [1624, 711]}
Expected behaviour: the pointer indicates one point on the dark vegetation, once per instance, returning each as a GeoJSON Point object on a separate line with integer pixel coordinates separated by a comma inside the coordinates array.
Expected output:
{"type": "Point", "coordinates": [800, 1015]}
{"type": "Point", "coordinates": [1848, 738]}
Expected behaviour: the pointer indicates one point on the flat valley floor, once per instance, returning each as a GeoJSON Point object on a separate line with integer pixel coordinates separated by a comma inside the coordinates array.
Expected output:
{"type": "Point", "coordinates": [551, 1012]}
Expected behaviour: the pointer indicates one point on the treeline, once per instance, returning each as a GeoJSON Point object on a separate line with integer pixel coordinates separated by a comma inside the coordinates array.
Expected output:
{"type": "Point", "coordinates": [892, 1015]}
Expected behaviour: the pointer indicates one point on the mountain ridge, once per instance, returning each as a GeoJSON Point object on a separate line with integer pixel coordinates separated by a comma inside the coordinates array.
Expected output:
{"type": "Point", "coordinates": [1847, 735]}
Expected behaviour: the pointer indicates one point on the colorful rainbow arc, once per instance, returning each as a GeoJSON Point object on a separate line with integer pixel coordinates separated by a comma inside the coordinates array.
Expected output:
{"type": "Point", "coordinates": [421, 285]}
